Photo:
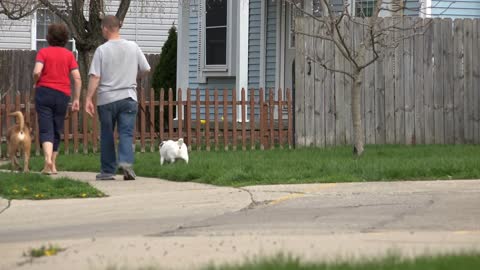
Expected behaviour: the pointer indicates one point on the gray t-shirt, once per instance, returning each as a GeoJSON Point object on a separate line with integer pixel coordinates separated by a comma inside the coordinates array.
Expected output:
{"type": "Point", "coordinates": [116, 63]}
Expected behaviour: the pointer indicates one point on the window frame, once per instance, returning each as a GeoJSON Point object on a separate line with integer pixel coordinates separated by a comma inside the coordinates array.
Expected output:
{"type": "Point", "coordinates": [35, 40]}
{"type": "Point", "coordinates": [228, 69]}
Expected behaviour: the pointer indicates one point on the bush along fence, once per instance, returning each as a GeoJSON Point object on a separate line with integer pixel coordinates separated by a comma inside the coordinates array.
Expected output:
{"type": "Point", "coordinates": [207, 120]}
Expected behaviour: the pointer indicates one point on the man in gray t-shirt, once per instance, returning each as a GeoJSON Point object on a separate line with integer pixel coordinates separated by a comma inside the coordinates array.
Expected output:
{"type": "Point", "coordinates": [113, 75]}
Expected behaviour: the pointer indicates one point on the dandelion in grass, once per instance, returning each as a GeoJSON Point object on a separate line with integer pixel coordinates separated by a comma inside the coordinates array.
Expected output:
{"type": "Point", "coordinates": [84, 195]}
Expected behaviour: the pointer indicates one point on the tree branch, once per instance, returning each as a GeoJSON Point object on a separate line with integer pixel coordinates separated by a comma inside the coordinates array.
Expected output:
{"type": "Point", "coordinates": [123, 9]}
{"type": "Point", "coordinates": [16, 10]}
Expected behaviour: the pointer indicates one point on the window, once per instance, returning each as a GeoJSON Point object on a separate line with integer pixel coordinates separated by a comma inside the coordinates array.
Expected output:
{"type": "Point", "coordinates": [44, 18]}
{"type": "Point", "coordinates": [215, 32]}
{"type": "Point", "coordinates": [217, 35]}
{"type": "Point", "coordinates": [364, 8]}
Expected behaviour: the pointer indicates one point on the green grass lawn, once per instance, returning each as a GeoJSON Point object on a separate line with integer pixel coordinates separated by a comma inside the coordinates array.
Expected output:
{"type": "Point", "coordinates": [307, 165]}
{"type": "Point", "coordinates": [448, 262]}
{"type": "Point", "coordinates": [40, 187]}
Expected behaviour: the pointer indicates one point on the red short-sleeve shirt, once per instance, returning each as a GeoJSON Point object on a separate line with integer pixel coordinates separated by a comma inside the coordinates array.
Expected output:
{"type": "Point", "coordinates": [58, 62]}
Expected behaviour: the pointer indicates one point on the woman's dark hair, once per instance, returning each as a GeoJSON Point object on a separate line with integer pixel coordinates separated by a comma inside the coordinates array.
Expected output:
{"type": "Point", "coordinates": [57, 35]}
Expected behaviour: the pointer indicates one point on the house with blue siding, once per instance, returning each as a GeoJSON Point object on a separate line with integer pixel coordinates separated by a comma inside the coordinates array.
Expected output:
{"type": "Point", "coordinates": [237, 44]}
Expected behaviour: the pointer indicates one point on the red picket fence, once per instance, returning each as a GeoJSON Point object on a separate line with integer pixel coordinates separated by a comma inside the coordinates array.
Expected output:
{"type": "Point", "coordinates": [263, 122]}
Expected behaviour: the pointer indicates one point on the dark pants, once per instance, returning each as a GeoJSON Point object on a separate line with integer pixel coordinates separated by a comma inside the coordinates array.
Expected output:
{"type": "Point", "coordinates": [122, 113]}
{"type": "Point", "coordinates": [51, 106]}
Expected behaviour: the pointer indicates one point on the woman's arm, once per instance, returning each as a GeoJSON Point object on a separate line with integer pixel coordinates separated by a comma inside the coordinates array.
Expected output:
{"type": "Point", "coordinates": [37, 71]}
{"type": "Point", "coordinates": [77, 85]}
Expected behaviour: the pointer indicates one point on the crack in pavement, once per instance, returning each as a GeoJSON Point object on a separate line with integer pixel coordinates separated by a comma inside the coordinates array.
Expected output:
{"type": "Point", "coordinates": [253, 202]}
{"type": "Point", "coordinates": [9, 203]}
{"type": "Point", "coordinates": [397, 217]}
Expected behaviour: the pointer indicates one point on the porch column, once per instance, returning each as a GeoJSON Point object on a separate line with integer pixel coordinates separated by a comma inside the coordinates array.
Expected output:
{"type": "Point", "coordinates": [182, 48]}
{"type": "Point", "coordinates": [242, 51]}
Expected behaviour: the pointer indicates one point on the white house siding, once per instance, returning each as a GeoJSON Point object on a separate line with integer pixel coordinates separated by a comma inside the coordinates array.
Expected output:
{"type": "Point", "coordinates": [147, 22]}
{"type": "Point", "coordinates": [15, 34]}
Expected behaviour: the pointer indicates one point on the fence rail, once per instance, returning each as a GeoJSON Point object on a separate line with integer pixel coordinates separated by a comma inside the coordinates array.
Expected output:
{"type": "Point", "coordinates": [271, 127]}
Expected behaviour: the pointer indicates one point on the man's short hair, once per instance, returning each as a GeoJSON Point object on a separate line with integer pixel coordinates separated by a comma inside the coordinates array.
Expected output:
{"type": "Point", "coordinates": [111, 22]}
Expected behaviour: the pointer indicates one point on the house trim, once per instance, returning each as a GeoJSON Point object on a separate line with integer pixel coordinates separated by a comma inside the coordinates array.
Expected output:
{"type": "Point", "coordinates": [263, 45]}
{"type": "Point", "coordinates": [228, 69]}
{"type": "Point", "coordinates": [182, 50]}
{"type": "Point", "coordinates": [243, 20]}
{"type": "Point", "coordinates": [279, 54]}
{"type": "Point", "coordinates": [33, 32]}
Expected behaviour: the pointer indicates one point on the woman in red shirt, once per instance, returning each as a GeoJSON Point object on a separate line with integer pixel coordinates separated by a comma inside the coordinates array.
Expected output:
{"type": "Point", "coordinates": [53, 67]}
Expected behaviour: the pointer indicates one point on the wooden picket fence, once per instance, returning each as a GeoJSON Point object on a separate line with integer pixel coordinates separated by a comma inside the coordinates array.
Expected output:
{"type": "Point", "coordinates": [263, 123]}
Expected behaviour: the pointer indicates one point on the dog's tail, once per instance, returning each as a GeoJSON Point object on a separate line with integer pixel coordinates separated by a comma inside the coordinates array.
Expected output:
{"type": "Point", "coordinates": [20, 119]}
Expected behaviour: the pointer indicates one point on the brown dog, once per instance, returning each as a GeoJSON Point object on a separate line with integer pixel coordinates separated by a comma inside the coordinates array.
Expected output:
{"type": "Point", "coordinates": [19, 139]}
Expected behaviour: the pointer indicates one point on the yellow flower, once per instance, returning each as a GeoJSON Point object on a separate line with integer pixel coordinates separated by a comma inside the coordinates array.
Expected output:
{"type": "Point", "coordinates": [15, 191]}
{"type": "Point", "coordinates": [84, 195]}
{"type": "Point", "coordinates": [40, 195]}
{"type": "Point", "coordinates": [49, 252]}
{"type": "Point", "coordinates": [203, 121]}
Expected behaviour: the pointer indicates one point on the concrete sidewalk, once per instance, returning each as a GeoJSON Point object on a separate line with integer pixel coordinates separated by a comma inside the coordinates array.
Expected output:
{"type": "Point", "coordinates": [173, 225]}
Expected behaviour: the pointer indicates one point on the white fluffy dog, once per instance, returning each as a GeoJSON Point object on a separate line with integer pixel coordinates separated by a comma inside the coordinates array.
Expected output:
{"type": "Point", "coordinates": [172, 150]}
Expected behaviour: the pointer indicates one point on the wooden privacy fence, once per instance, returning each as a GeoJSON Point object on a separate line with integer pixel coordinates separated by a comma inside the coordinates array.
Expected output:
{"type": "Point", "coordinates": [271, 126]}
{"type": "Point", "coordinates": [16, 67]}
{"type": "Point", "coordinates": [424, 91]}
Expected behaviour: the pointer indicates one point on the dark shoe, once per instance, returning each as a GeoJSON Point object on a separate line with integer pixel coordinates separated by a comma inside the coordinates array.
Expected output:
{"type": "Point", "coordinates": [128, 173]}
{"type": "Point", "coordinates": [105, 176]}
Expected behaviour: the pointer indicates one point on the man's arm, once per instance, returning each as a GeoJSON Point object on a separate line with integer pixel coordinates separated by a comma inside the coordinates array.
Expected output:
{"type": "Point", "coordinates": [143, 65]}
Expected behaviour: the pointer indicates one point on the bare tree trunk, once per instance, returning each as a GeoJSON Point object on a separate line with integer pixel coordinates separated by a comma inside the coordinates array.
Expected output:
{"type": "Point", "coordinates": [84, 60]}
{"type": "Point", "coordinates": [357, 113]}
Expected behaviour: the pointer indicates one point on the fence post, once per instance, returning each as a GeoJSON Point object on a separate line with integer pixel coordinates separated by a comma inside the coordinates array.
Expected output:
{"type": "Point", "coordinates": [170, 113]}
{"type": "Point", "coordinates": [207, 119]}
{"type": "Point", "coordinates": [197, 102]}
{"type": "Point", "coordinates": [95, 127]}
{"type": "Point", "coordinates": [215, 107]}
{"type": "Point", "coordinates": [290, 119]}
{"type": "Point", "coordinates": [143, 119]}
{"type": "Point", "coordinates": [180, 113]}
{"type": "Point", "coordinates": [188, 116]}
{"type": "Point", "coordinates": [66, 131]}
{"type": "Point", "coordinates": [85, 131]}
{"type": "Point", "coordinates": [225, 119]}
{"type": "Point", "coordinates": [234, 119]}
{"type": "Point", "coordinates": [252, 119]}
{"type": "Point", "coordinates": [151, 109]}
{"type": "Point", "coordinates": [280, 117]}
{"type": "Point", "coordinates": [161, 112]}
{"type": "Point", "coordinates": [271, 118]}
{"type": "Point", "coordinates": [262, 120]}
{"type": "Point", "coordinates": [244, 120]}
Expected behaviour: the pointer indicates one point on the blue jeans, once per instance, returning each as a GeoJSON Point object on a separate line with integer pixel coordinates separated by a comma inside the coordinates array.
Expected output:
{"type": "Point", "coordinates": [51, 106]}
{"type": "Point", "coordinates": [123, 113]}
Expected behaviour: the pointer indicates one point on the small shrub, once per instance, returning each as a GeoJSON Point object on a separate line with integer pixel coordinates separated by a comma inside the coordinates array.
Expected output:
{"type": "Point", "coordinates": [165, 74]}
